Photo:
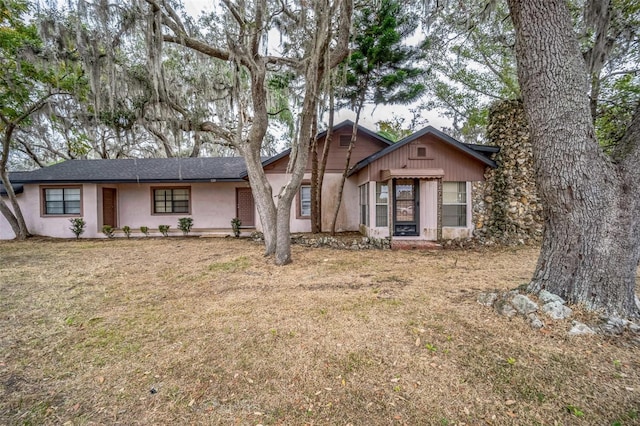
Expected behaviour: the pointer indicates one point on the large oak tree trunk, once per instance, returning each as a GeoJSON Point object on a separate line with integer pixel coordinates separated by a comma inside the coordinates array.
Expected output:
{"type": "Point", "coordinates": [250, 150]}
{"type": "Point", "coordinates": [263, 197]}
{"type": "Point", "coordinates": [314, 74]}
{"type": "Point", "coordinates": [591, 242]}
{"type": "Point", "coordinates": [15, 217]}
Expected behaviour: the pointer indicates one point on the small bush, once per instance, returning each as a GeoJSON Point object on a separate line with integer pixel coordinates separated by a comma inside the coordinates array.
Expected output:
{"type": "Point", "coordinates": [108, 230]}
{"type": "Point", "coordinates": [185, 224]}
{"type": "Point", "coordinates": [235, 225]}
{"type": "Point", "coordinates": [164, 230]}
{"type": "Point", "coordinates": [145, 230]}
{"type": "Point", "coordinates": [77, 226]}
{"type": "Point", "coordinates": [127, 231]}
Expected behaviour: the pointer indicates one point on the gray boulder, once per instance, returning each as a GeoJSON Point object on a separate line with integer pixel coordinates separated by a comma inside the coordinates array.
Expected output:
{"type": "Point", "coordinates": [556, 310]}
{"type": "Point", "coordinates": [487, 299]}
{"type": "Point", "coordinates": [504, 308]}
{"type": "Point", "coordinates": [546, 297]}
{"type": "Point", "coordinates": [523, 304]}
{"type": "Point", "coordinates": [535, 322]}
{"type": "Point", "coordinates": [580, 329]}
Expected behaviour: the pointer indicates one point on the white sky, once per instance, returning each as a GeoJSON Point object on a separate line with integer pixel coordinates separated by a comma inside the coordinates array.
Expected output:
{"type": "Point", "coordinates": [370, 115]}
{"type": "Point", "coordinates": [194, 7]}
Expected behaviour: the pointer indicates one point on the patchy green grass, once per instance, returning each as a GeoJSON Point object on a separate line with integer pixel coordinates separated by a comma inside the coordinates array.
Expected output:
{"type": "Point", "coordinates": [238, 264]}
{"type": "Point", "coordinates": [208, 331]}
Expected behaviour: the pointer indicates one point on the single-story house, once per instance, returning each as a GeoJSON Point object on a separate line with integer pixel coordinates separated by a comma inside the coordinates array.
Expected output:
{"type": "Point", "coordinates": [418, 188]}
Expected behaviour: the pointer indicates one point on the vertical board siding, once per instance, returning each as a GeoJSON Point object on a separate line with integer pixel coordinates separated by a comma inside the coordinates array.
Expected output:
{"type": "Point", "coordinates": [364, 147]}
{"type": "Point", "coordinates": [457, 165]}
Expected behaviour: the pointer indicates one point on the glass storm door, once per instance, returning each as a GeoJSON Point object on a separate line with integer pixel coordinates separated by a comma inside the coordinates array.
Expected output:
{"type": "Point", "coordinates": [405, 207]}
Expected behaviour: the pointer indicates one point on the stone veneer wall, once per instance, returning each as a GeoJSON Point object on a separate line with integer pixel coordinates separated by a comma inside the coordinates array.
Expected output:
{"type": "Point", "coordinates": [506, 208]}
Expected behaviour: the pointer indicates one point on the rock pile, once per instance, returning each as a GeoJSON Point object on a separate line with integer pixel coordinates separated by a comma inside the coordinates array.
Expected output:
{"type": "Point", "coordinates": [506, 208]}
{"type": "Point", "coordinates": [515, 302]}
{"type": "Point", "coordinates": [356, 243]}
{"type": "Point", "coordinates": [361, 243]}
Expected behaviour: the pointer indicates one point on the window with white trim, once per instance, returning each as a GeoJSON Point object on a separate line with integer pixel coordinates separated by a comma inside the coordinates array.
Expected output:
{"type": "Point", "coordinates": [61, 201]}
{"type": "Point", "coordinates": [305, 201]}
{"type": "Point", "coordinates": [454, 204]}
{"type": "Point", "coordinates": [382, 204]}
{"type": "Point", "coordinates": [364, 204]}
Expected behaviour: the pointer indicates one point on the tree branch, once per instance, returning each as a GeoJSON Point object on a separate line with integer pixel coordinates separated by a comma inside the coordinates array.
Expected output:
{"type": "Point", "coordinates": [199, 46]}
{"type": "Point", "coordinates": [623, 72]}
{"type": "Point", "coordinates": [158, 134]}
{"type": "Point", "coordinates": [490, 64]}
{"type": "Point", "coordinates": [236, 15]}
{"type": "Point", "coordinates": [257, 33]}
{"type": "Point", "coordinates": [27, 149]}
{"type": "Point", "coordinates": [174, 16]}
{"type": "Point", "coordinates": [278, 112]}
{"type": "Point", "coordinates": [341, 51]}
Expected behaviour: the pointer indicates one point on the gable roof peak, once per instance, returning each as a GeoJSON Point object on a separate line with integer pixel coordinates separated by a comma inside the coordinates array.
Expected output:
{"type": "Point", "coordinates": [361, 129]}
{"type": "Point", "coordinates": [414, 136]}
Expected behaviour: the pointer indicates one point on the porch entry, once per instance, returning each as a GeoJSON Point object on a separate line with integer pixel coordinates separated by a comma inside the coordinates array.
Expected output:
{"type": "Point", "coordinates": [109, 210]}
{"type": "Point", "coordinates": [245, 207]}
{"type": "Point", "coordinates": [406, 207]}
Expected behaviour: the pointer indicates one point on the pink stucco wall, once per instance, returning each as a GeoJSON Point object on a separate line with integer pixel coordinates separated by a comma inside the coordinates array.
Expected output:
{"type": "Point", "coordinates": [52, 226]}
{"type": "Point", "coordinates": [213, 205]}
{"type": "Point", "coordinates": [347, 215]}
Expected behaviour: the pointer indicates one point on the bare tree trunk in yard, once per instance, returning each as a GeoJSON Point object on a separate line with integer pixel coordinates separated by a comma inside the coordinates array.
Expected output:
{"type": "Point", "coordinates": [248, 134]}
{"type": "Point", "coordinates": [315, 208]}
{"type": "Point", "coordinates": [352, 142]}
{"type": "Point", "coordinates": [315, 69]}
{"type": "Point", "coordinates": [263, 197]}
{"type": "Point", "coordinates": [325, 154]}
{"type": "Point", "coordinates": [11, 218]}
{"type": "Point", "coordinates": [316, 184]}
{"type": "Point", "coordinates": [15, 218]}
{"type": "Point", "coordinates": [591, 243]}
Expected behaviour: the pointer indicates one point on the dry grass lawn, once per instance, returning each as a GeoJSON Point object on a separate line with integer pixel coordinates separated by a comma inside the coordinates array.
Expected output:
{"type": "Point", "coordinates": [207, 331]}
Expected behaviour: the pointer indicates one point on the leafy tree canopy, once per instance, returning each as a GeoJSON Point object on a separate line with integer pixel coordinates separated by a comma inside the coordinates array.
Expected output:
{"type": "Point", "coordinates": [472, 61]}
{"type": "Point", "coordinates": [382, 67]}
{"type": "Point", "coordinates": [30, 74]}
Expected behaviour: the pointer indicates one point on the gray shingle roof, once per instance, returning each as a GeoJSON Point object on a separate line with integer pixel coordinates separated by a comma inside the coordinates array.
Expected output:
{"type": "Point", "coordinates": [137, 170]}
{"type": "Point", "coordinates": [17, 188]}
